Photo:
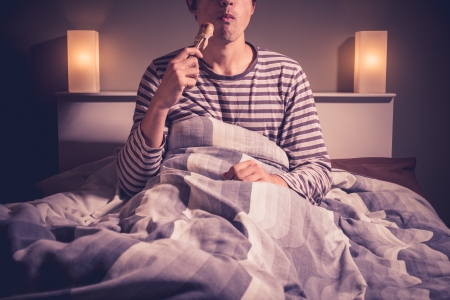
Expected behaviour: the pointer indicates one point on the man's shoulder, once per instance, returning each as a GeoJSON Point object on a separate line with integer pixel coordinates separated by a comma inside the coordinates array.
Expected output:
{"type": "Point", "coordinates": [270, 57]}
{"type": "Point", "coordinates": [162, 61]}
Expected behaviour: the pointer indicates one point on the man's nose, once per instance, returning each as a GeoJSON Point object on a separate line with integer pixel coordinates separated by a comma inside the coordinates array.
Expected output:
{"type": "Point", "coordinates": [226, 2]}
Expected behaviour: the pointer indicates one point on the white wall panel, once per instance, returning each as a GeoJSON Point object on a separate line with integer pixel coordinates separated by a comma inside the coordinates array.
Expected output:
{"type": "Point", "coordinates": [357, 129]}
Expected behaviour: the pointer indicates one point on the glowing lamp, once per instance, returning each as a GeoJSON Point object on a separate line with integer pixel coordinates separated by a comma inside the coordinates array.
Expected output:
{"type": "Point", "coordinates": [370, 62]}
{"type": "Point", "coordinates": [82, 51]}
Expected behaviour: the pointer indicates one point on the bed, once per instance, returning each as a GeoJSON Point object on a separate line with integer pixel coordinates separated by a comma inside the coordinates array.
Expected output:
{"type": "Point", "coordinates": [189, 234]}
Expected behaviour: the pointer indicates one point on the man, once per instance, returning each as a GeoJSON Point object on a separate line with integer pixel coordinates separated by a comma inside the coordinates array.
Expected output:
{"type": "Point", "coordinates": [235, 82]}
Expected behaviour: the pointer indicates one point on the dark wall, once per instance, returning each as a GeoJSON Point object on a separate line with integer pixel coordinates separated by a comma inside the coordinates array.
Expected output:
{"type": "Point", "coordinates": [317, 33]}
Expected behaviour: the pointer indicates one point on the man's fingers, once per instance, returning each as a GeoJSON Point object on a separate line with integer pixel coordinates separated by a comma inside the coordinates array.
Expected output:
{"type": "Point", "coordinates": [188, 77]}
{"type": "Point", "coordinates": [188, 63]}
{"type": "Point", "coordinates": [190, 82]}
{"type": "Point", "coordinates": [241, 170]}
{"type": "Point", "coordinates": [231, 173]}
{"type": "Point", "coordinates": [186, 52]}
{"type": "Point", "coordinates": [228, 175]}
{"type": "Point", "coordinates": [242, 165]}
{"type": "Point", "coordinates": [251, 171]}
{"type": "Point", "coordinates": [244, 172]}
{"type": "Point", "coordinates": [252, 178]}
{"type": "Point", "coordinates": [190, 72]}
{"type": "Point", "coordinates": [192, 62]}
{"type": "Point", "coordinates": [188, 66]}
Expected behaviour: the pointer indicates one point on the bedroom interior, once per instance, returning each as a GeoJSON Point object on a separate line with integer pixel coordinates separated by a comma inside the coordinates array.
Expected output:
{"type": "Point", "coordinates": [322, 42]}
{"type": "Point", "coordinates": [401, 135]}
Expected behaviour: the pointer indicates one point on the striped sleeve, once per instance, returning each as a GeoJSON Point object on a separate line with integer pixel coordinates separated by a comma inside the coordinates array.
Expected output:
{"type": "Point", "coordinates": [136, 162]}
{"type": "Point", "coordinates": [301, 139]}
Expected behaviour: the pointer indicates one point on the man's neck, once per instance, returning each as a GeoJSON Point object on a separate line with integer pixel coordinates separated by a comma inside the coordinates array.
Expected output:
{"type": "Point", "coordinates": [228, 59]}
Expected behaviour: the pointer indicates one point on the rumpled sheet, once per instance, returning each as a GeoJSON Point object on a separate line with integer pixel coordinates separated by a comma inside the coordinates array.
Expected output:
{"type": "Point", "coordinates": [189, 234]}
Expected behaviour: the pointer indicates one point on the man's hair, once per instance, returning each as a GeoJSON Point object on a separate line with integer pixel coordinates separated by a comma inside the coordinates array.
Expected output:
{"type": "Point", "coordinates": [194, 4]}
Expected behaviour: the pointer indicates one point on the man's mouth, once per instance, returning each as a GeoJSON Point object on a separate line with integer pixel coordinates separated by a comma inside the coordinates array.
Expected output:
{"type": "Point", "coordinates": [226, 17]}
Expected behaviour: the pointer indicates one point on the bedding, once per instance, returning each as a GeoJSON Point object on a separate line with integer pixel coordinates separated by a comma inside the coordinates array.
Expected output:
{"type": "Point", "coordinates": [189, 234]}
{"type": "Point", "coordinates": [396, 170]}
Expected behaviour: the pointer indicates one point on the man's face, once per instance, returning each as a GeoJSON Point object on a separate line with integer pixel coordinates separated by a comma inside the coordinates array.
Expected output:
{"type": "Point", "coordinates": [230, 18]}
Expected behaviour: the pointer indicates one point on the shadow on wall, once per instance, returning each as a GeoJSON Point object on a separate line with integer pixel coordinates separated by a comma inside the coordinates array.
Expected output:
{"type": "Point", "coordinates": [29, 120]}
{"type": "Point", "coordinates": [84, 152]}
{"type": "Point", "coordinates": [49, 75]}
{"type": "Point", "coordinates": [346, 65]}
{"type": "Point", "coordinates": [49, 69]}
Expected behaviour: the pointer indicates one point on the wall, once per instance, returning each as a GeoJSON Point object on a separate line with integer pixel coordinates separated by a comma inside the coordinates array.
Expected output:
{"type": "Point", "coordinates": [316, 33]}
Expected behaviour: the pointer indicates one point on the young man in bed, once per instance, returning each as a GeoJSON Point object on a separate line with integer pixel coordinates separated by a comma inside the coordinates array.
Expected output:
{"type": "Point", "coordinates": [245, 85]}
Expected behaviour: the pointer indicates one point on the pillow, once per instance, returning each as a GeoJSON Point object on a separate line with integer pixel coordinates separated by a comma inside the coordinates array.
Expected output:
{"type": "Point", "coordinates": [395, 170]}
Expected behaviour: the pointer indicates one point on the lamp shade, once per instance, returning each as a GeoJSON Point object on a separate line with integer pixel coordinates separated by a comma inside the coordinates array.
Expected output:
{"type": "Point", "coordinates": [370, 62]}
{"type": "Point", "coordinates": [82, 51]}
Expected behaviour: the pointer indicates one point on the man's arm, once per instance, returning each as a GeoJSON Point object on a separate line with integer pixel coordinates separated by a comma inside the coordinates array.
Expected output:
{"type": "Point", "coordinates": [181, 74]}
{"type": "Point", "coordinates": [141, 156]}
{"type": "Point", "coordinates": [301, 138]}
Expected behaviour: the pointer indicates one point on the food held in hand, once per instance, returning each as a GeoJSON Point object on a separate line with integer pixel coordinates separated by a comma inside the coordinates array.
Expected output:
{"type": "Point", "coordinates": [204, 33]}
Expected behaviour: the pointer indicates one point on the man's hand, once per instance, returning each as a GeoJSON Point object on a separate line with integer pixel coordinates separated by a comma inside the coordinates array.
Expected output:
{"type": "Point", "coordinates": [181, 73]}
{"type": "Point", "coordinates": [251, 171]}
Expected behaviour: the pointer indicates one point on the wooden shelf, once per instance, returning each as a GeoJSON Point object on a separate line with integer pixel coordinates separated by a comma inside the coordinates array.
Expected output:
{"type": "Point", "coordinates": [337, 94]}
{"type": "Point", "coordinates": [99, 94]}
{"type": "Point", "coordinates": [102, 96]}
{"type": "Point", "coordinates": [130, 96]}
{"type": "Point", "coordinates": [336, 97]}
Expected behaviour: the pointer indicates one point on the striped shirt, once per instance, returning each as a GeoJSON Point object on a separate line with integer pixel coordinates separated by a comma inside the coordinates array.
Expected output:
{"type": "Point", "coordinates": [272, 97]}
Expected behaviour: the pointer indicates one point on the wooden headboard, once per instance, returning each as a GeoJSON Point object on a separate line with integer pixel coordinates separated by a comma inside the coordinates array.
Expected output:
{"type": "Point", "coordinates": [356, 125]}
{"type": "Point", "coordinates": [91, 126]}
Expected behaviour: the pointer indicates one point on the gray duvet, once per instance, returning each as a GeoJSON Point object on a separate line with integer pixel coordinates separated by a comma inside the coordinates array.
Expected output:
{"type": "Point", "coordinates": [191, 235]}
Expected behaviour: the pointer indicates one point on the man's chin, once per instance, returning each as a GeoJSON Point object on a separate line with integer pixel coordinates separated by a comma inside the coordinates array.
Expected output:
{"type": "Point", "coordinates": [227, 37]}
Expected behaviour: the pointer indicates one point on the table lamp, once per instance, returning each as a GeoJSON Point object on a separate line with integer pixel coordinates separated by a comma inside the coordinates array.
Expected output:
{"type": "Point", "coordinates": [82, 51]}
{"type": "Point", "coordinates": [370, 62]}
